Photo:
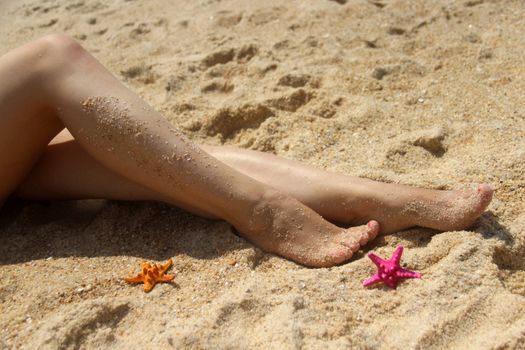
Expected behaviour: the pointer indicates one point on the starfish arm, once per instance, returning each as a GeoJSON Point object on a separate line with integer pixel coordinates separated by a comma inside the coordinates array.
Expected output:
{"type": "Point", "coordinates": [375, 259]}
{"type": "Point", "coordinates": [166, 266]}
{"type": "Point", "coordinates": [391, 284]}
{"type": "Point", "coordinates": [148, 286]}
{"type": "Point", "coordinates": [369, 281]}
{"type": "Point", "coordinates": [407, 274]}
{"type": "Point", "coordinates": [136, 279]}
{"type": "Point", "coordinates": [396, 257]}
{"type": "Point", "coordinates": [166, 278]}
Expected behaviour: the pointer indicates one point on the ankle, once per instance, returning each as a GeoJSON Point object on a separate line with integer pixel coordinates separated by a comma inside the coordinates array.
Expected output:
{"type": "Point", "coordinates": [258, 214]}
{"type": "Point", "coordinates": [241, 205]}
{"type": "Point", "coordinates": [269, 198]}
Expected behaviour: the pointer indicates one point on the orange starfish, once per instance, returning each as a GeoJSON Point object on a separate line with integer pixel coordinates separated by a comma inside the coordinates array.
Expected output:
{"type": "Point", "coordinates": [151, 274]}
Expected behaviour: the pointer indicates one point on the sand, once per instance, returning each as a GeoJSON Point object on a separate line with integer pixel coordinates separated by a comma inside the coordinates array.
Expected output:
{"type": "Point", "coordinates": [427, 93]}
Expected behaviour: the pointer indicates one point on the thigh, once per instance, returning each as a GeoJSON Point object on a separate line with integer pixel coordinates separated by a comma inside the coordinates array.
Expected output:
{"type": "Point", "coordinates": [67, 171]}
{"type": "Point", "coordinates": [26, 125]}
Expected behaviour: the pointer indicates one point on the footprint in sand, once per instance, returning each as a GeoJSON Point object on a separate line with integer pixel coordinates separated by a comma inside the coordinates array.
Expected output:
{"type": "Point", "coordinates": [139, 31]}
{"type": "Point", "coordinates": [100, 31]}
{"type": "Point", "coordinates": [395, 30]}
{"type": "Point", "coordinates": [45, 9]}
{"type": "Point", "coordinates": [262, 68]}
{"type": "Point", "coordinates": [406, 67]}
{"type": "Point", "coordinates": [218, 85]}
{"type": "Point", "coordinates": [49, 23]}
{"type": "Point", "coordinates": [291, 102]}
{"type": "Point", "coordinates": [174, 83]}
{"type": "Point", "coordinates": [377, 3]}
{"type": "Point", "coordinates": [227, 121]}
{"type": "Point", "coordinates": [87, 8]}
{"type": "Point", "coordinates": [75, 5]}
{"type": "Point", "coordinates": [141, 73]}
{"type": "Point", "coordinates": [379, 72]}
{"type": "Point", "coordinates": [294, 80]}
{"type": "Point", "coordinates": [430, 140]}
{"type": "Point", "coordinates": [325, 110]}
{"type": "Point", "coordinates": [227, 19]}
{"type": "Point", "coordinates": [221, 56]}
{"type": "Point", "coordinates": [80, 37]}
{"type": "Point", "coordinates": [266, 15]}
{"type": "Point", "coordinates": [246, 52]}
{"type": "Point", "coordinates": [415, 150]}
{"type": "Point", "coordinates": [472, 3]}
{"type": "Point", "coordinates": [242, 54]}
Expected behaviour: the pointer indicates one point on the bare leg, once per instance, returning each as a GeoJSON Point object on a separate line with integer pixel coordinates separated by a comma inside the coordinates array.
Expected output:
{"type": "Point", "coordinates": [67, 171]}
{"type": "Point", "coordinates": [352, 200]}
{"type": "Point", "coordinates": [68, 87]}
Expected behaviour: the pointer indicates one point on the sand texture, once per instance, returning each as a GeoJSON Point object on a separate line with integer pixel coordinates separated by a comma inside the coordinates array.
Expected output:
{"type": "Point", "coordinates": [426, 93]}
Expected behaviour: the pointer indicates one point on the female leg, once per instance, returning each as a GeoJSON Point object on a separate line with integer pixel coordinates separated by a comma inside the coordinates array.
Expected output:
{"type": "Point", "coordinates": [66, 171]}
{"type": "Point", "coordinates": [53, 83]}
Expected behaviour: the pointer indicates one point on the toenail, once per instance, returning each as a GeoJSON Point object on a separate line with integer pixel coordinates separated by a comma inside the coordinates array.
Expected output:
{"type": "Point", "coordinates": [372, 225]}
{"type": "Point", "coordinates": [340, 254]}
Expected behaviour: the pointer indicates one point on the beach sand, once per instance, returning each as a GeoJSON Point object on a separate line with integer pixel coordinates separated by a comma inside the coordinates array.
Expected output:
{"type": "Point", "coordinates": [426, 93]}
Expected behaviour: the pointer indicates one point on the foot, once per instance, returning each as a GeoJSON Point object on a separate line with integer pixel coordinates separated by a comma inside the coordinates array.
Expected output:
{"type": "Point", "coordinates": [398, 207]}
{"type": "Point", "coordinates": [282, 225]}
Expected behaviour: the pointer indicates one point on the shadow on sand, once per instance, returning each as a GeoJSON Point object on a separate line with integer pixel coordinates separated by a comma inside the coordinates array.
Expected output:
{"type": "Point", "coordinates": [89, 228]}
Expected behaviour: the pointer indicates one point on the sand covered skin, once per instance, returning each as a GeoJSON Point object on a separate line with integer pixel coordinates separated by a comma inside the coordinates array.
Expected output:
{"type": "Point", "coordinates": [425, 93]}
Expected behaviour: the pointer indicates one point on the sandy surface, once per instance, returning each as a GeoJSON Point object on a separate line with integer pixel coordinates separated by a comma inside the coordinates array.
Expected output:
{"type": "Point", "coordinates": [428, 93]}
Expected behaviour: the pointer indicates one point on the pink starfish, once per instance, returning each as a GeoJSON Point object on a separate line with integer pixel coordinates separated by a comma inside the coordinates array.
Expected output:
{"type": "Point", "coordinates": [389, 271]}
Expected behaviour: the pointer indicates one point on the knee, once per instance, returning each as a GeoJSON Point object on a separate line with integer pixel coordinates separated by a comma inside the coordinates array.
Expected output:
{"type": "Point", "coordinates": [61, 43]}
{"type": "Point", "coordinates": [58, 51]}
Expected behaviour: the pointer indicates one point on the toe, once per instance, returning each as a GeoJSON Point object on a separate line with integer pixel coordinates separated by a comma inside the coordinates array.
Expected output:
{"type": "Point", "coordinates": [363, 237]}
{"type": "Point", "coordinates": [373, 229]}
{"type": "Point", "coordinates": [347, 244]}
{"type": "Point", "coordinates": [355, 237]}
{"type": "Point", "coordinates": [353, 246]}
{"type": "Point", "coordinates": [341, 253]}
{"type": "Point", "coordinates": [367, 232]}
{"type": "Point", "coordinates": [485, 192]}
{"type": "Point", "coordinates": [335, 254]}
